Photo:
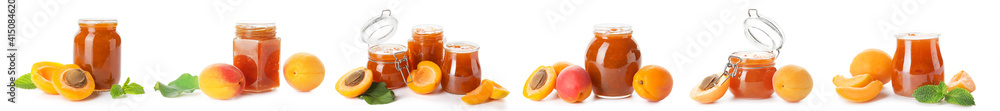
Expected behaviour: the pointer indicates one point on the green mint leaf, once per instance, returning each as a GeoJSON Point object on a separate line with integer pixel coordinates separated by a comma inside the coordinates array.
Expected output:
{"type": "Point", "coordinates": [24, 82]}
{"type": "Point", "coordinates": [117, 92]}
{"type": "Point", "coordinates": [183, 84]}
{"type": "Point", "coordinates": [127, 80]}
{"type": "Point", "coordinates": [133, 88]}
{"type": "Point", "coordinates": [942, 88]}
{"type": "Point", "coordinates": [960, 96]}
{"type": "Point", "coordinates": [378, 94]}
{"type": "Point", "coordinates": [928, 94]}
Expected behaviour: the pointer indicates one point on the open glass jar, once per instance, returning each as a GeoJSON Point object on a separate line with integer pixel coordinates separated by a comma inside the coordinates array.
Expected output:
{"type": "Point", "coordinates": [97, 49]}
{"type": "Point", "coordinates": [917, 62]}
{"type": "Point", "coordinates": [388, 62]}
{"type": "Point", "coordinates": [750, 72]}
{"type": "Point", "coordinates": [427, 44]}
{"type": "Point", "coordinates": [460, 69]}
{"type": "Point", "coordinates": [613, 58]}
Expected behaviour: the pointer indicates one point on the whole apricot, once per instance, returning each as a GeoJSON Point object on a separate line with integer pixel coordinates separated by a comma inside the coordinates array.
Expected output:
{"type": "Point", "coordinates": [304, 71]}
{"type": "Point", "coordinates": [559, 66]}
{"type": "Point", "coordinates": [653, 83]}
{"type": "Point", "coordinates": [573, 84]}
{"type": "Point", "coordinates": [792, 83]}
{"type": "Point", "coordinates": [874, 62]}
{"type": "Point", "coordinates": [221, 81]}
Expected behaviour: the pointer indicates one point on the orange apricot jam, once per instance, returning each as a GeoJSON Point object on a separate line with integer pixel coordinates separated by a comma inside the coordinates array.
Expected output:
{"type": "Point", "coordinates": [256, 53]}
{"type": "Point", "coordinates": [613, 58]}
{"type": "Point", "coordinates": [751, 73]}
{"type": "Point", "coordinates": [97, 49]}
{"type": "Point", "coordinates": [917, 62]}
{"type": "Point", "coordinates": [427, 44]}
{"type": "Point", "coordinates": [388, 64]}
{"type": "Point", "coordinates": [460, 71]}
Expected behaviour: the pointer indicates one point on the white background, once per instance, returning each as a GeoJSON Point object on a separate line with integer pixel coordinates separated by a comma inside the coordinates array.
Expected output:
{"type": "Point", "coordinates": [163, 39]}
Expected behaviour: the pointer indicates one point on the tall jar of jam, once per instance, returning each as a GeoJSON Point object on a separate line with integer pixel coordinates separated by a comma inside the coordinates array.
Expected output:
{"type": "Point", "coordinates": [97, 49]}
{"type": "Point", "coordinates": [612, 60]}
{"type": "Point", "coordinates": [427, 44]}
{"type": "Point", "coordinates": [256, 52]}
{"type": "Point", "coordinates": [388, 64]}
{"type": "Point", "coordinates": [460, 69]}
{"type": "Point", "coordinates": [917, 62]}
{"type": "Point", "coordinates": [751, 72]}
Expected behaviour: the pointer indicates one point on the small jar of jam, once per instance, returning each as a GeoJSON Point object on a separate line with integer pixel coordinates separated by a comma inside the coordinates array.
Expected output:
{"type": "Point", "coordinates": [613, 58]}
{"type": "Point", "coordinates": [97, 49]}
{"type": "Point", "coordinates": [427, 44]}
{"type": "Point", "coordinates": [256, 52]}
{"type": "Point", "coordinates": [917, 62]}
{"type": "Point", "coordinates": [750, 72]}
{"type": "Point", "coordinates": [388, 64]}
{"type": "Point", "coordinates": [460, 71]}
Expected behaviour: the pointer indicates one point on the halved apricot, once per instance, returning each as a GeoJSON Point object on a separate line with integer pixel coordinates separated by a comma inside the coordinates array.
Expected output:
{"type": "Point", "coordinates": [962, 80]}
{"type": "Point", "coordinates": [354, 82]}
{"type": "Point", "coordinates": [480, 94]}
{"type": "Point", "coordinates": [860, 94]}
{"type": "Point", "coordinates": [426, 78]}
{"type": "Point", "coordinates": [540, 83]}
{"type": "Point", "coordinates": [74, 83]}
{"type": "Point", "coordinates": [41, 75]}
{"type": "Point", "coordinates": [498, 91]}
{"type": "Point", "coordinates": [856, 81]}
{"type": "Point", "coordinates": [711, 89]}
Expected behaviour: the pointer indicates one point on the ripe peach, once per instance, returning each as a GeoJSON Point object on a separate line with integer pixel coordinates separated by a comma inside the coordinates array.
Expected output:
{"type": "Point", "coordinates": [573, 84]}
{"type": "Point", "coordinates": [221, 81]}
{"type": "Point", "coordinates": [792, 83]}
{"type": "Point", "coordinates": [874, 62]}
{"type": "Point", "coordinates": [304, 71]}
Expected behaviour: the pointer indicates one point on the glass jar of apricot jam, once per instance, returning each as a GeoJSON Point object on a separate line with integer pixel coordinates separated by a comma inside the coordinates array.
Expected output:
{"type": "Point", "coordinates": [751, 73]}
{"type": "Point", "coordinates": [388, 64]}
{"type": "Point", "coordinates": [460, 68]}
{"type": "Point", "coordinates": [917, 62]}
{"type": "Point", "coordinates": [256, 52]}
{"type": "Point", "coordinates": [427, 44]}
{"type": "Point", "coordinates": [97, 49]}
{"type": "Point", "coordinates": [613, 58]}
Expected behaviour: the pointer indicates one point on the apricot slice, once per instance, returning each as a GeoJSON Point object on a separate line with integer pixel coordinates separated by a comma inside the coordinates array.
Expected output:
{"type": "Point", "coordinates": [860, 94]}
{"type": "Point", "coordinates": [540, 83]}
{"type": "Point", "coordinates": [711, 89]}
{"type": "Point", "coordinates": [856, 81]}
{"type": "Point", "coordinates": [875, 62]}
{"type": "Point", "coordinates": [792, 83]}
{"type": "Point", "coordinates": [74, 83]}
{"type": "Point", "coordinates": [653, 83]}
{"type": "Point", "coordinates": [426, 78]}
{"type": "Point", "coordinates": [304, 71]}
{"type": "Point", "coordinates": [41, 75]}
{"type": "Point", "coordinates": [559, 66]}
{"type": "Point", "coordinates": [499, 92]}
{"type": "Point", "coordinates": [962, 80]}
{"type": "Point", "coordinates": [480, 94]}
{"type": "Point", "coordinates": [354, 82]}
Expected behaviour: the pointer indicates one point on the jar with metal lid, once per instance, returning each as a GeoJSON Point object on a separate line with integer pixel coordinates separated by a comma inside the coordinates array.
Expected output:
{"type": "Point", "coordinates": [751, 72]}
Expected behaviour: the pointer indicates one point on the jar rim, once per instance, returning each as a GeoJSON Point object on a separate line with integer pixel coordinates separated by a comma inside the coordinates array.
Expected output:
{"type": "Point", "coordinates": [387, 49]}
{"type": "Point", "coordinates": [917, 35]}
{"type": "Point", "coordinates": [98, 22]}
{"type": "Point", "coordinates": [754, 55]}
{"type": "Point", "coordinates": [612, 28]}
{"type": "Point", "coordinates": [254, 24]}
{"type": "Point", "coordinates": [461, 47]}
{"type": "Point", "coordinates": [427, 29]}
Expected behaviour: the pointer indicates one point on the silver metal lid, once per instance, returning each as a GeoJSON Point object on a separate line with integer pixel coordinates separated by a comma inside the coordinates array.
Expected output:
{"type": "Point", "coordinates": [379, 29]}
{"type": "Point", "coordinates": [762, 32]}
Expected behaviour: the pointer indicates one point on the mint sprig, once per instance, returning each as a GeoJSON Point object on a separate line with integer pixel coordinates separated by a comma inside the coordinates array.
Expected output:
{"type": "Point", "coordinates": [378, 94]}
{"type": "Point", "coordinates": [119, 91]}
{"type": "Point", "coordinates": [934, 94]}
{"type": "Point", "coordinates": [24, 82]}
{"type": "Point", "coordinates": [183, 84]}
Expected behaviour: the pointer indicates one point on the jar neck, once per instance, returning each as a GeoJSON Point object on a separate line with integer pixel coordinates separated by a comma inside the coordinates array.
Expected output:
{"type": "Point", "coordinates": [428, 37]}
{"type": "Point", "coordinates": [386, 58]}
{"type": "Point", "coordinates": [613, 36]}
{"type": "Point", "coordinates": [98, 27]}
{"type": "Point", "coordinates": [256, 33]}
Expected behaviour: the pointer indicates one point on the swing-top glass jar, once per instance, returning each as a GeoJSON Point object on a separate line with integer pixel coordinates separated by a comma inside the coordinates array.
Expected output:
{"type": "Point", "coordinates": [750, 72]}
{"type": "Point", "coordinates": [388, 62]}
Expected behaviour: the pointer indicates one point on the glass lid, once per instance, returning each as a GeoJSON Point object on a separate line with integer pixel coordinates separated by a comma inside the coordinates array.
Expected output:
{"type": "Point", "coordinates": [379, 29]}
{"type": "Point", "coordinates": [762, 32]}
